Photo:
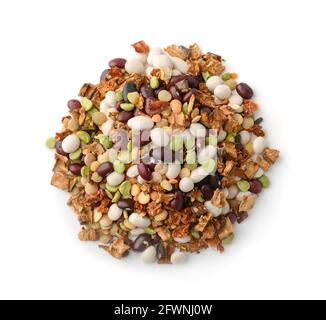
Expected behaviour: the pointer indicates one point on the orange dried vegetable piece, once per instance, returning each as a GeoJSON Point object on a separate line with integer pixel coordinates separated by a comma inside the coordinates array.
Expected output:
{"type": "Point", "coordinates": [141, 47]}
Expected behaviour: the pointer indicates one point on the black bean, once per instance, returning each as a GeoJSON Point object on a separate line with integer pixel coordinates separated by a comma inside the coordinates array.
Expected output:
{"type": "Point", "coordinates": [74, 104]}
{"type": "Point", "coordinates": [244, 91]}
{"type": "Point", "coordinates": [142, 139]}
{"type": "Point", "coordinates": [178, 202]}
{"type": "Point", "coordinates": [128, 87]}
{"type": "Point", "coordinates": [58, 147]}
{"type": "Point", "coordinates": [259, 121]}
{"type": "Point", "coordinates": [146, 91]}
{"type": "Point", "coordinates": [142, 242]}
{"type": "Point", "coordinates": [214, 181]}
{"type": "Point", "coordinates": [104, 169]}
{"type": "Point", "coordinates": [144, 171]}
{"type": "Point", "coordinates": [118, 63]}
{"type": "Point", "coordinates": [207, 192]}
{"type": "Point", "coordinates": [126, 204]}
{"type": "Point", "coordinates": [203, 182]}
{"type": "Point", "coordinates": [75, 168]}
{"type": "Point", "coordinates": [125, 116]}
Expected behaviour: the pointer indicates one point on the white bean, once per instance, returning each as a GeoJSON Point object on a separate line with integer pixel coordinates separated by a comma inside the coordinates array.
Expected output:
{"type": "Point", "coordinates": [236, 107]}
{"type": "Point", "coordinates": [149, 72]}
{"type": "Point", "coordinates": [141, 180]}
{"type": "Point", "coordinates": [153, 53]}
{"type": "Point", "coordinates": [178, 257]}
{"type": "Point", "coordinates": [213, 82]}
{"type": "Point", "coordinates": [107, 127]}
{"type": "Point", "coordinates": [134, 66]}
{"type": "Point", "coordinates": [221, 135]}
{"type": "Point", "coordinates": [240, 196]}
{"type": "Point", "coordinates": [185, 239]}
{"type": "Point", "coordinates": [233, 191]}
{"type": "Point", "coordinates": [132, 172]}
{"type": "Point", "coordinates": [160, 137]}
{"type": "Point", "coordinates": [110, 98]}
{"type": "Point", "coordinates": [198, 130]}
{"type": "Point", "coordinates": [198, 174]}
{"type": "Point", "coordinates": [186, 185]}
{"type": "Point", "coordinates": [222, 92]}
{"type": "Point", "coordinates": [104, 106]}
{"type": "Point", "coordinates": [70, 144]}
{"type": "Point", "coordinates": [215, 211]}
{"type": "Point", "coordinates": [136, 232]}
{"type": "Point", "coordinates": [245, 137]}
{"type": "Point", "coordinates": [209, 152]}
{"type": "Point", "coordinates": [173, 170]}
{"type": "Point", "coordinates": [259, 173]}
{"type": "Point", "coordinates": [259, 145]}
{"type": "Point", "coordinates": [236, 99]}
{"type": "Point", "coordinates": [226, 208]}
{"type": "Point", "coordinates": [140, 123]}
{"type": "Point", "coordinates": [180, 64]}
{"type": "Point", "coordinates": [149, 255]}
{"type": "Point", "coordinates": [114, 179]}
{"type": "Point", "coordinates": [176, 72]}
{"type": "Point", "coordinates": [114, 212]}
{"type": "Point", "coordinates": [138, 221]}
{"type": "Point", "coordinates": [163, 61]}
{"type": "Point", "coordinates": [140, 56]}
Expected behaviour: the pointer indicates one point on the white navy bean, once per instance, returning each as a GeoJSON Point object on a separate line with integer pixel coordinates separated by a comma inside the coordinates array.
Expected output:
{"type": "Point", "coordinates": [186, 184]}
{"type": "Point", "coordinates": [236, 107]}
{"type": "Point", "coordinates": [259, 173]}
{"type": "Point", "coordinates": [138, 221]}
{"type": "Point", "coordinates": [198, 130]}
{"type": "Point", "coordinates": [213, 82]}
{"type": "Point", "coordinates": [173, 170]}
{"type": "Point", "coordinates": [209, 152]}
{"type": "Point", "coordinates": [180, 64]}
{"type": "Point", "coordinates": [135, 66]}
{"type": "Point", "coordinates": [107, 127]}
{"type": "Point", "coordinates": [236, 99]}
{"type": "Point", "coordinates": [222, 92]}
{"type": "Point", "coordinates": [185, 239]}
{"type": "Point", "coordinates": [114, 179]}
{"type": "Point", "coordinates": [226, 208]}
{"type": "Point", "coordinates": [162, 61]}
{"type": "Point", "coordinates": [233, 191]}
{"type": "Point", "coordinates": [245, 137]}
{"type": "Point", "coordinates": [70, 144]}
{"type": "Point", "coordinates": [178, 257]}
{"type": "Point", "coordinates": [198, 174]}
{"type": "Point", "coordinates": [160, 137]}
{"type": "Point", "coordinates": [259, 145]}
{"type": "Point", "coordinates": [132, 172]}
{"type": "Point", "coordinates": [153, 53]}
{"type": "Point", "coordinates": [141, 56]}
{"type": "Point", "coordinates": [221, 135]}
{"type": "Point", "coordinates": [115, 212]}
{"type": "Point", "coordinates": [215, 211]}
{"type": "Point", "coordinates": [110, 98]}
{"type": "Point", "coordinates": [240, 196]}
{"type": "Point", "coordinates": [140, 123]}
{"type": "Point", "coordinates": [149, 255]}
{"type": "Point", "coordinates": [149, 72]}
{"type": "Point", "coordinates": [136, 232]}
{"type": "Point", "coordinates": [176, 72]}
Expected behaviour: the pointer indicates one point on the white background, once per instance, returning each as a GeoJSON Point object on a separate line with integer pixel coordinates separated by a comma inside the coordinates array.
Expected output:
{"type": "Point", "coordinates": [50, 48]}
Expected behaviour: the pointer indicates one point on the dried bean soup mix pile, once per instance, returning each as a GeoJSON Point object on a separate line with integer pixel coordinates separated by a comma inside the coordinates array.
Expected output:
{"type": "Point", "coordinates": [163, 156]}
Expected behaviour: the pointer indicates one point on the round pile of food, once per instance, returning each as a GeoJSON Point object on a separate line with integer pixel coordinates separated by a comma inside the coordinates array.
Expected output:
{"type": "Point", "coordinates": [163, 156]}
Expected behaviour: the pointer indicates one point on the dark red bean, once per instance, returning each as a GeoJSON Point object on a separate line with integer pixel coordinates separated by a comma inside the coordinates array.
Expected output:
{"type": "Point", "coordinates": [233, 217]}
{"type": "Point", "coordinates": [103, 75]}
{"type": "Point", "coordinates": [75, 168]}
{"type": "Point", "coordinates": [174, 93]}
{"type": "Point", "coordinates": [125, 116]}
{"type": "Point", "coordinates": [58, 147]}
{"type": "Point", "coordinates": [128, 87]}
{"type": "Point", "coordinates": [207, 192]}
{"type": "Point", "coordinates": [175, 79]}
{"type": "Point", "coordinates": [146, 91]}
{"type": "Point", "coordinates": [255, 186]}
{"type": "Point", "coordinates": [151, 166]}
{"type": "Point", "coordinates": [126, 204]}
{"type": "Point", "coordinates": [203, 182]}
{"type": "Point", "coordinates": [118, 63]}
{"type": "Point", "coordinates": [118, 105]}
{"type": "Point", "coordinates": [156, 239]}
{"type": "Point", "coordinates": [142, 139]}
{"type": "Point", "coordinates": [188, 95]}
{"type": "Point", "coordinates": [144, 171]}
{"type": "Point", "coordinates": [104, 169]}
{"type": "Point", "coordinates": [178, 202]}
{"type": "Point", "coordinates": [193, 82]}
{"type": "Point", "coordinates": [142, 242]}
{"type": "Point", "coordinates": [244, 91]}
{"type": "Point", "coordinates": [206, 110]}
{"type": "Point", "coordinates": [74, 104]}
{"type": "Point", "coordinates": [214, 181]}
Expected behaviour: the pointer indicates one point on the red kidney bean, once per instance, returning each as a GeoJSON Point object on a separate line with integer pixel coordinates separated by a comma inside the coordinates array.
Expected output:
{"type": "Point", "coordinates": [146, 91]}
{"type": "Point", "coordinates": [74, 104]}
{"type": "Point", "coordinates": [118, 62]}
{"type": "Point", "coordinates": [75, 168]}
{"type": "Point", "coordinates": [125, 116]}
{"type": "Point", "coordinates": [126, 204]}
{"type": "Point", "coordinates": [58, 147]}
{"type": "Point", "coordinates": [244, 91]}
{"type": "Point", "coordinates": [144, 171]}
{"type": "Point", "coordinates": [174, 93]}
{"type": "Point", "coordinates": [188, 95]}
{"type": "Point", "coordinates": [142, 139]}
{"type": "Point", "coordinates": [214, 181]}
{"type": "Point", "coordinates": [103, 75]}
{"type": "Point", "coordinates": [104, 169]}
{"type": "Point", "coordinates": [255, 186]}
{"type": "Point", "coordinates": [207, 192]}
{"type": "Point", "coordinates": [175, 79]}
{"type": "Point", "coordinates": [142, 242]}
{"type": "Point", "coordinates": [128, 87]}
{"type": "Point", "coordinates": [178, 202]}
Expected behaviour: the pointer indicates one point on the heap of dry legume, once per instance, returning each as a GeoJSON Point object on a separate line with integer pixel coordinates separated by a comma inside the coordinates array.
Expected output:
{"type": "Point", "coordinates": [163, 156]}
